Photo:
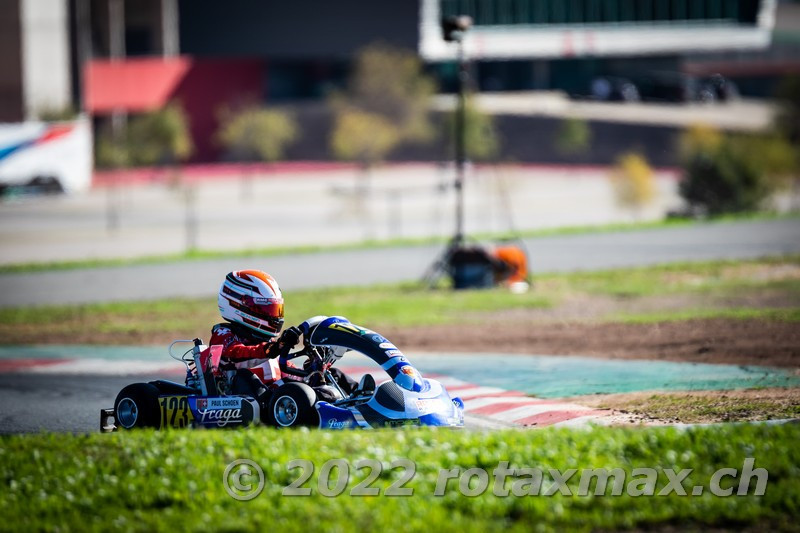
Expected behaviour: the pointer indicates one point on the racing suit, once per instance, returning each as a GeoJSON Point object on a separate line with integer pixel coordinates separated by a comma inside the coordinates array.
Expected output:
{"type": "Point", "coordinates": [246, 352]}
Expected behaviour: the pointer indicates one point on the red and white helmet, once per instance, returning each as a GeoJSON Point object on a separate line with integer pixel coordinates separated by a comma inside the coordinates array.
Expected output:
{"type": "Point", "coordinates": [253, 299]}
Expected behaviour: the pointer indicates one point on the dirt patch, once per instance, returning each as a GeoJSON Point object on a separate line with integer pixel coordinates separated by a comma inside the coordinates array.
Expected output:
{"type": "Point", "coordinates": [584, 307]}
{"type": "Point", "coordinates": [729, 341]}
{"type": "Point", "coordinates": [699, 407]}
{"type": "Point", "coordinates": [726, 341]}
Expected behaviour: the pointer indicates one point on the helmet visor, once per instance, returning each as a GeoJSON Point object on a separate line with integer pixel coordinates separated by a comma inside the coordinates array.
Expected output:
{"type": "Point", "coordinates": [265, 307]}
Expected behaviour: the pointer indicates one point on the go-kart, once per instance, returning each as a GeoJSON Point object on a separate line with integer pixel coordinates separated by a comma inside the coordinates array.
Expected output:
{"type": "Point", "coordinates": [407, 398]}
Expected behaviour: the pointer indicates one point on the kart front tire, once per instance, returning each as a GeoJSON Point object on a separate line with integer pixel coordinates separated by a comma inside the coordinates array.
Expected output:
{"type": "Point", "coordinates": [136, 406]}
{"type": "Point", "coordinates": [292, 405]}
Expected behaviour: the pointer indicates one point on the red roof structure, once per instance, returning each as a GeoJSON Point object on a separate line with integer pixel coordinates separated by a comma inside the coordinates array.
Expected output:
{"type": "Point", "coordinates": [201, 87]}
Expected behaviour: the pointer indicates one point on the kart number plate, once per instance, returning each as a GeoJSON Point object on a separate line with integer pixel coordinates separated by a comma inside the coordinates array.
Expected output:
{"type": "Point", "coordinates": [175, 412]}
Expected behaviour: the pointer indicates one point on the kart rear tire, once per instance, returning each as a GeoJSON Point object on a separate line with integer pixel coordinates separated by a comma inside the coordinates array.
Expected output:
{"type": "Point", "coordinates": [136, 406]}
{"type": "Point", "coordinates": [292, 405]}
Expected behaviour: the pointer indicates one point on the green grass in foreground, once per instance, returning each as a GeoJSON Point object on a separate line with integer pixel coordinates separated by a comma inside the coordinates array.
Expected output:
{"type": "Point", "coordinates": [172, 481]}
{"type": "Point", "coordinates": [198, 255]}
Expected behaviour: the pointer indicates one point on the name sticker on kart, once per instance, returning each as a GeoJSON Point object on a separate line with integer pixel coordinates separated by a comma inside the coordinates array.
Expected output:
{"type": "Point", "coordinates": [219, 411]}
{"type": "Point", "coordinates": [175, 412]}
{"type": "Point", "coordinates": [427, 406]}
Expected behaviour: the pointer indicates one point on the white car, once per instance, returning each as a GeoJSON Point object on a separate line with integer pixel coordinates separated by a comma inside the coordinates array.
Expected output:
{"type": "Point", "coordinates": [52, 156]}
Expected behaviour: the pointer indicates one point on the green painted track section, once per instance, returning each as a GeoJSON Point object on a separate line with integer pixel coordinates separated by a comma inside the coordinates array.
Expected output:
{"type": "Point", "coordinates": [544, 376]}
{"type": "Point", "coordinates": [552, 376]}
{"type": "Point", "coordinates": [112, 353]}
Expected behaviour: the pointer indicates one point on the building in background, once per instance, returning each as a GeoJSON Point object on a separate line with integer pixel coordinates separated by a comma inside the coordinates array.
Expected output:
{"type": "Point", "coordinates": [35, 67]}
{"type": "Point", "coordinates": [112, 57]}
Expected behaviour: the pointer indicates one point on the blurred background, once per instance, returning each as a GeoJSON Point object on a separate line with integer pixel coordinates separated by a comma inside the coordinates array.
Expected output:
{"type": "Point", "coordinates": [177, 125]}
{"type": "Point", "coordinates": [640, 157]}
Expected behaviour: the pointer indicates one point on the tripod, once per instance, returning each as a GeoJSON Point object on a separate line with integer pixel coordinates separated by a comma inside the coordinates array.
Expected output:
{"type": "Point", "coordinates": [454, 29]}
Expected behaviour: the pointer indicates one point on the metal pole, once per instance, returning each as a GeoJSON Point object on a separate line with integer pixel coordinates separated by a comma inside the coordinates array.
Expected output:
{"type": "Point", "coordinates": [83, 43]}
{"type": "Point", "coordinates": [116, 51]}
{"type": "Point", "coordinates": [190, 197]}
{"type": "Point", "coordinates": [170, 37]}
{"type": "Point", "coordinates": [460, 148]}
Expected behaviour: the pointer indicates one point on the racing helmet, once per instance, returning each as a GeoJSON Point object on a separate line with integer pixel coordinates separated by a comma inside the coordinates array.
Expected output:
{"type": "Point", "coordinates": [252, 299]}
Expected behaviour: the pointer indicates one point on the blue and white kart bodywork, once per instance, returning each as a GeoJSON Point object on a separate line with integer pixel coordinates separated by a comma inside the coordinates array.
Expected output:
{"type": "Point", "coordinates": [407, 398]}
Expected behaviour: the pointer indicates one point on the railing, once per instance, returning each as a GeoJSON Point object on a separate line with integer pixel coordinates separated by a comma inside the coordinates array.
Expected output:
{"type": "Point", "coordinates": [580, 12]}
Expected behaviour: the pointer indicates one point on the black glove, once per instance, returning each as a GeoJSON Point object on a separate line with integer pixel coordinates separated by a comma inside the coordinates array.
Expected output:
{"type": "Point", "coordinates": [288, 340]}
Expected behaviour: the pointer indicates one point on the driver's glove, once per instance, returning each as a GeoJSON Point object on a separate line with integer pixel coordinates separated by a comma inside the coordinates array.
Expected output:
{"type": "Point", "coordinates": [287, 341]}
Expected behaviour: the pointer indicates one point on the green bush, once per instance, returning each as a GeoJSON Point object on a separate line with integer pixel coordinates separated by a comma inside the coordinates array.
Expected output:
{"type": "Point", "coordinates": [257, 134]}
{"type": "Point", "coordinates": [159, 137]}
{"type": "Point", "coordinates": [574, 136]}
{"type": "Point", "coordinates": [732, 173]}
{"type": "Point", "coordinates": [385, 104]}
{"type": "Point", "coordinates": [390, 82]}
{"type": "Point", "coordinates": [723, 181]}
{"type": "Point", "coordinates": [481, 139]}
{"type": "Point", "coordinates": [363, 137]}
{"type": "Point", "coordinates": [633, 182]}
{"type": "Point", "coordinates": [787, 120]}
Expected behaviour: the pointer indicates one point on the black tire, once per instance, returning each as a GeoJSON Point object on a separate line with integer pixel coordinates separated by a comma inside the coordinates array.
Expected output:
{"type": "Point", "coordinates": [47, 184]}
{"type": "Point", "coordinates": [136, 406]}
{"type": "Point", "coordinates": [292, 405]}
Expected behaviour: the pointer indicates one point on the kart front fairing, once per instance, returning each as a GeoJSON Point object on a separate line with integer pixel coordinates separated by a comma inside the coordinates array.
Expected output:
{"type": "Point", "coordinates": [407, 399]}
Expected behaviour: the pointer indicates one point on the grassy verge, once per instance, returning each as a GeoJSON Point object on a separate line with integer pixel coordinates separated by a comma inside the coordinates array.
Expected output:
{"type": "Point", "coordinates": [199, 255]}
{"type": "Point", "coordinates": [390, 305]}
{"type": "Point", "coordinates": [681, 277]}
{"type": "Point", "coordinates": [707, 286]}
{"type": "Point", "coordinates": [173, 480]}
{"type": "Point", "coordinates": [705, 407]}
{"type": "Point", "coordinates": [779, 315]}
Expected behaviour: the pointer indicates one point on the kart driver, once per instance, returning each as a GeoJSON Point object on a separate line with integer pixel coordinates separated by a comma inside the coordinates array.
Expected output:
{"type": "Point", "coordinates": [252, 304]}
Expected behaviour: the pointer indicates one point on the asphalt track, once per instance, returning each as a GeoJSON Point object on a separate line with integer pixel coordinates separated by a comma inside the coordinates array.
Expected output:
{"type": "Point", "coordinates": [566, 253]}
{"type": "Point", "coordinates": [58, 403]}
{"type": "Point", "coordinates": [32, 402]}
{"type": "Point", "coordinates": [62, 397]}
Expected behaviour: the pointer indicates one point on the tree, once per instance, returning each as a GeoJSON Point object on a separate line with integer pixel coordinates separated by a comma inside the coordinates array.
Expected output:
{"type": "Point", "coordinates": [363, 137]}
{"type": "Point", "coordinates": [389, 81]}
{"type": "Point", "coordinates": [257, 134]}
{"type": "Point", "coordinates": [787, 120]}
{"type": "Point", "coordinates": [722, 181]}
{"type": "Point", "coordinates": [732, 173]}
{"type": "Point", "coordinates": [387, 91]}
{"type": "Point", "coordinates": [574, 136]}
{"type": "Point", "coordinates": [159, 137]}
{"type": "Point", "coordinates": [481, 140]}
{"type": "Point", "coordinates": [110, 153]}
{"type": "Point", "coordinates": [632, 178]}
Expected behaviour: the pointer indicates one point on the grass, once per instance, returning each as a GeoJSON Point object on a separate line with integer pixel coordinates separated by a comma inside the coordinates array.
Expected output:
{"type": "Point", "coordinates": [779, 315]}
{"type": "Point", "coordinates": [680, 277]}
{"type": "Point", "coordinates": [171, 481]}
{"type": "Point", "coordinates": [410, 305]}
{"type": "Point", "coordinates": [700, 407]}
{"type": "Point", "coordinates": [115, 323]}
{"type": "Point", "coordinates": [199, 255]}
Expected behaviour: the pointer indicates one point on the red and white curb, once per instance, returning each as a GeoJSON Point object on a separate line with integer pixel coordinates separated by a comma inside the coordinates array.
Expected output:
{"type": "Point", "coordinates": [483, 406]}
{"type": "Point", "coordinates": [496, 407]}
